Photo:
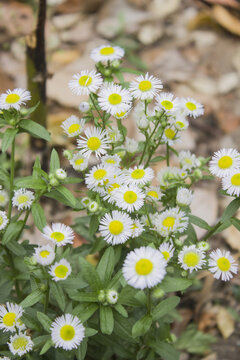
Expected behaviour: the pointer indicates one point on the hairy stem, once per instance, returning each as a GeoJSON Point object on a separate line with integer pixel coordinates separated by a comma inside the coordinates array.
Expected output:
{"type": "Point", "coordinates": [46, 298]}
{"type": "Point", "coordinates": [11, 179]}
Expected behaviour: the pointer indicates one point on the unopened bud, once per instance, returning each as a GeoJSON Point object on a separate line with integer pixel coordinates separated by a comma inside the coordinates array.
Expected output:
{"type": "Point", "coordinates": [68, 154]}
{"type": "Point", "coordinates": [112, 296]}
{"type": "Point", "coordinates": [101, 296]}
{"type": "Point", "coordinates": [54, 182]}
{"type": "Point", "coordinates": [158, 293]}
{"type": "Point", "coordinates": [60, 174]}
{"type": "Point", "coordinates": [93, 206]}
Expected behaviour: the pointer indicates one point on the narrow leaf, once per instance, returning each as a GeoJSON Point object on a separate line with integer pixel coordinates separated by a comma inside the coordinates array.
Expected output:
{"type": "Point", "coordinates": [35, 129]}
{"type": "Point", "coordinates": [142, 326]}
{"type": "Point", "coordinates": [165, 307]}
{"type": "Point", "coordinates": [38, 216]}
{"type": "Point", "coordinates": [106, 265]}
{"type": "Point", "coordinates": [32, 298]}
{"type": "Point", "coordinates": [106, 320]}
{"type": "Point", "coordinates": [54, 161]}
{"type": "Point", "coordinates": [8, 138]}
{"type": "Point", "coordinates": [44, 320]}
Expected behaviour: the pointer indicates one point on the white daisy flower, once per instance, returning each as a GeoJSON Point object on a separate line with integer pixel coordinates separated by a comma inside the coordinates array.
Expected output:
{"type": "Point", "coordinates": [9, 316]}
{"type": "Point", "coordinates": [44, 255]}
{"type": "Point", "coordinates": [60, 270]}
{"type": "Point", "coordinates": [112, 297]}
{"type": "Point", "coordinates": [110, 188]}
{"type": "Point", "coordinates": [23, 199]}
{"type": "Point", "coordinates": [14, 99]}
{"type": "Point", "coordinates": [129, 197]}
{"type": "Point", "coordinates": [224, 162]}
{"type": "Point", "coordinates": [3, 198]}
{"type": "Point", "coordinates": [192, 107]}
{"type": "Point", "coordinates": [139, 175]}
{"type": "Point", "coordinates": [59, 234]}
{"type": "Point", "coordinates": [60, 174]}
{"type": "Point", "coordinates": [113, 160]}
{"type": "Point", "coordinates": [73, 126]}
{"type": "Point", "coordinates": [84, 106]}
{"type": "Point", "coordinates": [99, 176]}
{"type": "Point", "coordinates": [165, 102]}
{"type": "Point", "coordinates": [154, 193]}
{"type": "Point", "coordinates": [191, 258]}
{"type": "Point", "coordinates": [123, 114]}
{"type": "Point", "coordinates": [168, 176]}
{"type": "Point", "coordinates": [85, 82]}
{"type": "Point", "coordinates": [170, 135]}
{"type": "Point", "coordinates": [106, 53]}
{"type": "Point", "coordinates": [131, 145]}
{"type": "Point", "coordinates": [144, 268]}
{"type": "Point", "coordinates": [231, 183]}
{"type": "Point", "coordinates": [114, 135]}
{"type": "Point", "coordinates": [96, 141]}
{"type": "Point", "coordinates": [145, 87]}
{"type": "Point", "coordinates": [114, 99]}
{"type": "Point", "coordinates": [79, 162]}
{"type": "Point", "coordinates": [67, 332]}
{"type": "Point", "coordinates": [184, 196]}
{"type": "Point", "coordinates": [180, 122]}
{"type": "Point", "coordinates": [222, 265]}
{"type": "Point", "coordinates": [3, 220]}
{"type": "Point", "coordinates": [167, 250]}
{"type": "Point", "coordinates": [137, 228]}
{"type": "Point", "coordinates": [115, 228]}
{"type": "Point", "coordinates": [20, 344]}
{"type": "Point", "coordinates": [20, 325]}
{"type": "Point", "coordinates": [187, 160]}
{"type": "Point", "coordinates": [170, 221]}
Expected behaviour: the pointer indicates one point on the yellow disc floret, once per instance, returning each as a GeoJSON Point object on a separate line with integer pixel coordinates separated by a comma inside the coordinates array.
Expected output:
{"type": "Point", "coordinates": [67, 332]}
{"type": "Point", "coordinates": [20, 343]}
{"type": "Point", "coordinates": [94, 143]}
{"type": "Point", "coordinates": [73, 128]}
{"type": "Point", "coordinates": [61, 271]}
{"type": "Point", "coordinates": [169, 222]}
{"type": "Point", "coordinates": [145, 85]}
{"type": "Point", "coordinates": [235, 179]}
{"type": "Point", "coordinates": [22, 199]}
{"type": "Point", "coordinates": [44, 253]}
{"type": "Point", "coordinates": [99, 174]}
{"type": "Point", "coordinates": [170, 133]}
{"type": "Point", "coordinates": [225, 162]}
{"type": "Point", "coordinates": [107, 51]}
{"type": "Point", "coordinates": [58, 236]}
{"type": "Point", "coordinates": [9, 319]}
{"type": "Point", "coordinates": [115, 227]}
{"type": "Point", "coordinates": [191, 106]}
{"type": "Point", "coordinates": [115, 99]}
{"type": "Point", "coordinates": [191, 259]}
{"type": "Point", "coordinates": [144, 267]}
{"type": "Point", "coordinates": [153, 193]}
{"type": "Point", "coordinates": [130, 197]}
{"type": "Point", "coordinates": [223, 264]}
{"type": "Point", "coordinates": [79, 161]}
{"type": "Point", "coordinates": [168, 105]}
{"type": "Point", "coordinates": [12, 98]}
{"type": "Point", "coordinates": [138, 174]}
{"type": "Point", "coordinates": [85, 80]}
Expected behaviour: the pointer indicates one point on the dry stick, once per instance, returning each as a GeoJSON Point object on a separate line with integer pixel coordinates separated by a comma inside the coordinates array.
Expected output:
{"type": "Point", "coordinates": [37, 74]}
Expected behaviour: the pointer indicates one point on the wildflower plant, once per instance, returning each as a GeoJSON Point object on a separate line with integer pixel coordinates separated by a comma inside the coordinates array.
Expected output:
{"type": "Point", "coordinates": [111, 297]}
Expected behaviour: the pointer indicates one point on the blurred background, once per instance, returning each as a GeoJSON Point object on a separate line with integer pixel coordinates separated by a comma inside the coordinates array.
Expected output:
{"type": "Point", "coordinates": [193, 47]}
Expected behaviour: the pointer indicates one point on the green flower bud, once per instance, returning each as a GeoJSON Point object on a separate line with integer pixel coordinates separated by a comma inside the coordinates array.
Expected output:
{"type": "Point", "coordinates": [197, 174]}
{"type": "Point", "coordinates": [43, 288]}
{"type": "Point", "coordinates": [101, 296]}
{"type": "Point", "coordinates": [158, 293]}
{"type": "Point", "coordinates": [184, 273]}
{"type": "Point", "coordinates": [93, 206]}
{"type": "Point", "coordinates": [170, 270]}
{"type": "Point", "coordinates": [115, 64]}
{"type": "Point", "coordinates": [68, 154]}
{"type": "Point", "coordinates": [12, 122]}
{"type": "Point", "coordinates": [54, 182]}
{"type": "Point", "coordinates": [203, 245]}
{"type": "Point", "coordinates": [112, 296]}
{"type": "Point", "coordinates": [60, 174]}
{"type": "Point", "coordinates": [107, 73]}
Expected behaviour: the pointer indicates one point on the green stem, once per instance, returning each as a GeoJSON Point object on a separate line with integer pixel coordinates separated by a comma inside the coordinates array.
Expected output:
{"type": "Point", "coordinates": [10, 258]}
{"type": "Point", "coordinates": [94, 105]}
{"type": "Point", "coordinates": [212, 231]}
{"type": "Point", "coordinates": [144, 149]}
{"type": "Point", "coordinates": [11, 179]}
{"type": "Point", "coordinates": [46, 298]}
{"type": "Point", "coordinates": [149, 301]}
{"type": "Point", "coordinates": [167, 154]}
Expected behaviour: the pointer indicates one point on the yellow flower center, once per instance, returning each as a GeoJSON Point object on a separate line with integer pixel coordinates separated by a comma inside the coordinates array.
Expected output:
{"type": "Point", "coordinates": [134, 227]}
{"type": "Point", "coordinates": [188, 161]}
{"type": "Point", "coordinates": [145, 85]}
{"type": "Point", "coordinates": [1, 220]}
{"type": "Point", "coordinates": [223, 264]}
{"type": "Point", "coordinates": [79, 161]}
{"type": "Point", "coordinates": [169, 222]}
{"type": "Point", "coordinates": [170, 133]}
{"type": "Point", "coordinates": [107, 51]}
{"type": "Point", "coordinates": [44, 253]}
{"type": "Point", "coordinates": [130, 197]}
{"type": "Point", "coordinates": [61, 271]}
{"type": "Point", "coordinates": [58, 236]}
{"type": "Point", "coordinates": [99, 174]}
{"type": "Point", "coordinates": [67, 332]}
{"type": "Point", "coordinates": [12, 98]}
{"type": "Point", "coordinates": [115, 99]}
{"type": "Point", "coordinates": [180, 124]}
{"type": "Point", "coordinates": [153, 193]}
{"type": "Point", "coordinates": [225, 162]}
{"type": "Point", "coordinates": [115, 227]}
{"type": "Point", "coordinates": [191, 106]}
{"type": "Point", "coordinates": [191, 259]}
{"type": "Point", "coordinates": [121, 114]}
{"type": "Point", "coordinates": [144, 267]}
{"type": "Point", "coordinates": [110, 161]}
{"type": "Point", "coordinates": [112, 187]}
{"type": "Point", "coordinates": [94, 143]}
{"type": "Point", "coordinates": [166, 255]}
{"type": "Point", "coordinates": [168, 105]}
{"type": "Point", "coordinates": [20, 343]}
{"type": "Point", "coordinates": [138, 174]}
{"type": "Point", "coordinates": [9, 319]}
{"type": "Point", "coordinates": [85, 80]}
{"type": "Point", "coordinates": [2, 198]}
{"type": "Point", "coordinates": [22, 199]}
{"type": "Point", "coordinates": [235, 180]}
{"type": "Point", "coordinates": [73, 128]}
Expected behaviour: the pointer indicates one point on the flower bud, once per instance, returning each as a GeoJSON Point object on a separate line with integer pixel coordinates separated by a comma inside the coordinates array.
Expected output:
{"type": "Point", "coordinates": [112, 296]}
{"type": "Point", "coordinates": [60, 174]}
{"type": "Point", "coordinates": [43, 288]}
{"type": "Point", "coordinates": [67, 154]}
{"type": "Point", "coordinates": [53, 181]}
{"type": "Point", "coordinates": [85, 201]}
{"type": "Point", "coordinates": [12, 122]}
{"type": "Point", "coordinates": [84, 106]}
{"type": "Point", "coordinates": [184, 273]}
{"type": "Point", "coordinates": [115, 64]}
{"type": "Point", "coordinates": [197, 174]}
{"type": "Point", "coordinates": [203, 245]}
{"type": "Point", "coordinates": [93, 206]}
{"type": "Point", "coordinates": [101, 296]}
{"type": "Point", "coordinates": [158, 293]}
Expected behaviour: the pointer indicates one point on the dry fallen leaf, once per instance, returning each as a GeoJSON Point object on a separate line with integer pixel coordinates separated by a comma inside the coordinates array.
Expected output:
{"type": "Point", "coordinates": [225, 322]}
{"type": "Point", "coordinates": [226, 19]}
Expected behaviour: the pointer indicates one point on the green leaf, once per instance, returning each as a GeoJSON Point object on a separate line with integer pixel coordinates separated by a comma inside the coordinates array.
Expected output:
{"type": "Point", "coordinates": [90, 332]}
{"type": "Point", "coordinates": [32, 109]}
{"type": "Point", "coordinates": [121, 310]}
{"type": "Point", "coordinates": [46, 346]}
{"type": "Point", "coordinates": [58, 294]}
{"type": "Point", "coordinates": [67, 195]}
{"type": "Point", "coordinates": [236, 223]}
{"type": "Point", "coordinates": [94, 223]}
{"type": "Point", "coordinates": [165, 350]}
{"type": "Point", "coordinates": [85, 311]}
{"type": "Point", "coordinates": [165, 307]}
{"type": "Point", "coordinates": [34, 129]}
{"type": "Point", "coordinates": [106, 265]}
{"type": "Point", "coordinates": [12, 232]}
{"type": "Point", "coordinates": [199, 222]}
{"type": "Point", "coordinates": [45, 321]}
{"type": "Point", "coordinates": [33, 298]}
{"type": "Point", "coordinates": [54, 161]}
{"type": "Point", "coordinates": [171, 284]}
{"type": "Point", "coordinates": [8, 138]}
{"type": "Point", "coordinates": [40, 340]}
{"type": "Point", "coordinates": [38, 216]}
{"type": "Point", "coordinates": [90, 274]}
{"type": "Point", "coordinates": [231, 209]}
{"type": "Point", "coordinates": [85, 297]}
{"type": "Point", "coordinates": [4, 175]}
{"type": "Point", "coordinates": [16, 248]}
{"type": "Point", "coordinates": [157, 159]}
{"type": "Point", "coordinates": [30, 182]}
{"type": "Point", "coordinates": [106, 320]}
{"type": "Point", "coordinates": [81, 350]}
{"type": "Point", "coordinates": [142, 326]}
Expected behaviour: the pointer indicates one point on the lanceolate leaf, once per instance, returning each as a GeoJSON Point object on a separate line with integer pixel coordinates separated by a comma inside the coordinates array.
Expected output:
{"type": "Point", "coordinates": [106, 265]}
{"type": "Point", "coordinates": [54, 161]}
{"type": "Point", "coordinates": [90, 274]}
{"type": "Point", "coordinates": [8, 138]}
{"type": "Point", "coordinates": [231, 209]}
{"type": "Point", "coordinates": [106, 320]}
{"type": "Point", "coordinates": [142, 326]}
{"type": "Point", "coordinates": [38, 216]}
{"type": "Point", "coordinates": [32, 298]}
{"type": "Point", "coordinates": [165, 307]}
{"type": "Point", "coordinates": [34, 129]}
